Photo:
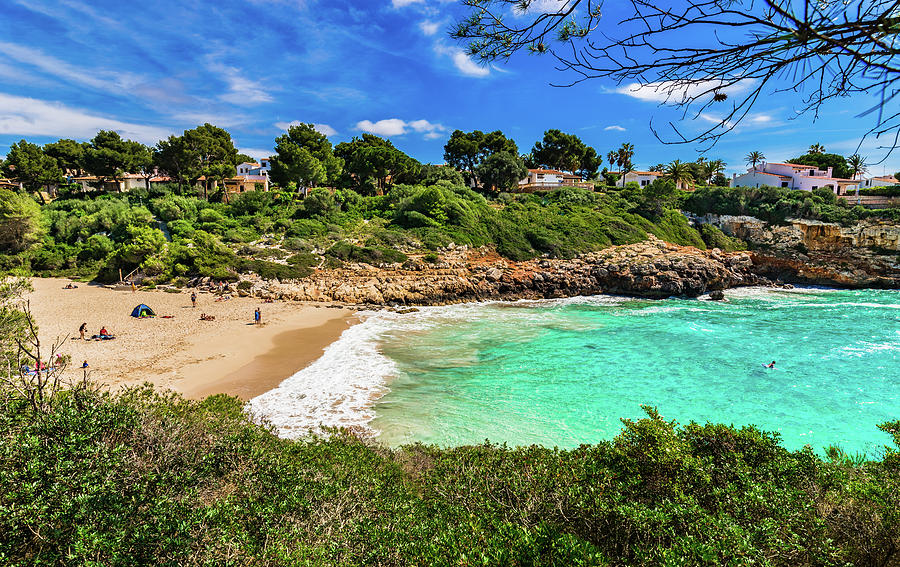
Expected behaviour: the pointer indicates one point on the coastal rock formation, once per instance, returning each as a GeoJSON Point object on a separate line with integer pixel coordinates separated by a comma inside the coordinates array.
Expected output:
{"type": "Point", "coordinates": [653, 269]}
{"type": "Point", "coordinates": [866, 254]}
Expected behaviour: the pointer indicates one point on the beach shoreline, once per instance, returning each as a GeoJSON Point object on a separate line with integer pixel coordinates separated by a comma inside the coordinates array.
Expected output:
{"type": "Point", "coordinates": [227, 355]}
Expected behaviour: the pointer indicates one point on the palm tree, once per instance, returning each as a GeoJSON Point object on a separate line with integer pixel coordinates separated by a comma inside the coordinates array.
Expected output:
{"type": "Point", "coordinates": [713, 168]}
{"type": "Point", "coordinates": [623, 159]}
{"type": "Point", "coordinates": [660, 167]}
{"type": "Point", "coordinates": [857, 165]}
{"type": "Point", "coordinates": [754, 158]}
{"type": "Point", "coordinates": [679, 172]}
{"type": "Point", "coordinates": [817, 148]}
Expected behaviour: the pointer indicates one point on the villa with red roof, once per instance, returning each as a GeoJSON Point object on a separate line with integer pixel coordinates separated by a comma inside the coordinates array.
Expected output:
{"type": "Point", "coordinates": [643, 178]}
{"type": "Point", "coordinates": [793, 176]}
{"type": "Point", "coordinates": [549, 179]}
{"type": "Point", "coordinates": [888, 181]}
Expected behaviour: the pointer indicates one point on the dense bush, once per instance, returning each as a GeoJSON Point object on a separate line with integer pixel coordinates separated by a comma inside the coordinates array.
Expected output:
{"type": "Point", "coordinates": [892, 191]}
{"type": "Point", "coordinates": [775, 205]}
{"type": "Point", "coordinates": [139, 478]}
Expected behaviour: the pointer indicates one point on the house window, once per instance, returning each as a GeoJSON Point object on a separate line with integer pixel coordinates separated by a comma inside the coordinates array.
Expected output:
{"type": "Point", "coordinates": [812, 172]}
{"type": "Point", "coordinates": [784, 183]}
{"type": "Point", "coordinates": [814, 187]}
{"type": "Point", "coordinates": [643, 183]}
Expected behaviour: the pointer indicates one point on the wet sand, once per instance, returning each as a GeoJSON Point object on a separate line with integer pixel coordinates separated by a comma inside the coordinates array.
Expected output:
{"type": "Point", "coordinates": [198, 358]}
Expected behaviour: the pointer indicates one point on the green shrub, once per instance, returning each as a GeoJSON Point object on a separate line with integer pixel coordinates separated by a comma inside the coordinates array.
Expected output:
{"type": "Point", "coordinates": [351, 253]}
{"type": "Point", "coordinates": [143, 478]}
{"type": "Point", "coordinates": [715, 238]}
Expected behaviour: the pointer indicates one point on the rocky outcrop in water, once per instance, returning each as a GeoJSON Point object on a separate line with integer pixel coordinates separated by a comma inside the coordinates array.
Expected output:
{"type": "Point", "coordinates": [866, 254]}
{"type": "Point", "coordinates": [653, 269]}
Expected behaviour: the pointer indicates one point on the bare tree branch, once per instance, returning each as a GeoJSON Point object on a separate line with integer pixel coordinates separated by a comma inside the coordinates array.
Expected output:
{"type": "Point", "coordinates": [702, 53]}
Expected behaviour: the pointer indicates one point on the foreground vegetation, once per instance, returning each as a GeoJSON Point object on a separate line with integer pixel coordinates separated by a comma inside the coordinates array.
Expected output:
{"type": "Point", "coordinates": [142, 478]}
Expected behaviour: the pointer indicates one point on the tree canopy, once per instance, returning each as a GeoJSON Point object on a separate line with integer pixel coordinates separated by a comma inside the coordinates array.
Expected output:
{"type": "Point", "coordinates": [305, 157]}
{"type": "Point", "coordinates": [824, 161]}
{"type": "Point", "coordinates": [206, 151]}
{"type": "Point", "coordinates": [372, 163]}
{"type": "Point", "coordinates": [108, 156]}
{"type": "Point", "coordinates": [69, 154]}
{"type": "Point", "coordinates": [466, 150]}
{"type": "Point", "coordinates": [29, 164]}
{"type": "Point", "coordinates": [501, 171]}
{"type": "Point", "coordinates": [567, 152]}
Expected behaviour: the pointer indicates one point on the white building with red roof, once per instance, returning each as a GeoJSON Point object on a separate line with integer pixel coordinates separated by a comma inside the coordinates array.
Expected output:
{"type": "Point", "coordinates": [793, 176]}
{"type": "Point", "coordinates": [887, 181]}
{"type": "Point", "coordinates": [643, 178]}
{"type": "Point", "coordinates": [549, 179]}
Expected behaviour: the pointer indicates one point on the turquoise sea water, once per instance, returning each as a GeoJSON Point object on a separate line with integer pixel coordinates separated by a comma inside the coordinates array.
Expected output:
{"type": "Point", "coordinates": [563, 372]}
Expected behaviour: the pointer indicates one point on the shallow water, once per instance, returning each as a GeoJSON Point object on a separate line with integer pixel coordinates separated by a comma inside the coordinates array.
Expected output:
{"type": "Point", "coordinates": [564, 372]}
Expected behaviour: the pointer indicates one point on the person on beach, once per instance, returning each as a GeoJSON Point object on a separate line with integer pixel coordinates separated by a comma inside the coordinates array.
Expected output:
{"type": "Point", "coordinates": [257, 316]}
{"type": "Point", "coordinates": [194, 299]}
{"type": "Point", "coordinates": [84, 364]}
{"type": "Point", "coordinates": [82, 330]}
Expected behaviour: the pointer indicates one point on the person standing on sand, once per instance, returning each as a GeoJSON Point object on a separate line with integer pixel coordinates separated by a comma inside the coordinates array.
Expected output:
{"type": "Point", "coordinates": [257, 316]}
{"type": "Point", "coordinates": [194, 299]}
{"type": "Point", "coordinates": [82, 330]}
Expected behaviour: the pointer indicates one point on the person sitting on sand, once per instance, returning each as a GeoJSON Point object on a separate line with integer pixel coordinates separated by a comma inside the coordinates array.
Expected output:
{"type": "Point", "coordinates": [84, 364]}
{"type": "Point", "coordinates": [104, 334]}
{"type": "Point", "coordinates": [82, 330]}
{"type": "Point", "coordinates": [771, 365]}
{"type": "Point", "coordinates": [70, 286]}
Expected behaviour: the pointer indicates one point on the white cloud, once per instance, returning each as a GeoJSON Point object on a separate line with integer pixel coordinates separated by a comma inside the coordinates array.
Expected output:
{"type": "Point", "coordinates": [541, 7]}
{"type": "Point", "coordinates": [398, 127]}
{"type": "Point", "coordinates": [759, 118]}
{"type": "Point", "coordinates": [387, 127]}
{"type": "Point", "coordinates": [615, 128]}
{"type": "Point", "coordinates": [462, 61]}
{"type": "Point", "coordinates": [241, 90]}
{"type": "Point", "coordinates": [109, 81]}
{"type": "Point", "coordinates": [21, 116]}
{"type": "Point", "coordinates": [676, 92]}
{"type": "Point", "coordinates": [256, 153]}
{"type": "Point", "coordinates": [428, 27]}
{"type": "Point", "coordinates": [404, 3]}
{"type": "Point", "coordinates": [320, 128]}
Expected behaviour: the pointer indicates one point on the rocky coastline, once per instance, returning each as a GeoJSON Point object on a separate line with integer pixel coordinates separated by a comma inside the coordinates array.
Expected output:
{"type": "Point", "coordinates": [652, 269]}
{"type": "Point", "coordinates": [802, 252]}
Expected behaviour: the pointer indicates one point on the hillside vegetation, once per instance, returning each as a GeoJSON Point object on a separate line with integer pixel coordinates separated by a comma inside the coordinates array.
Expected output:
{"type": "Point", "coordinates": [173, 237]}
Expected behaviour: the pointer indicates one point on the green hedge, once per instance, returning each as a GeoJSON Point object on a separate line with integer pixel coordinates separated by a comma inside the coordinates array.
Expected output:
{"type": "Point", "coordinates": [138, 478]}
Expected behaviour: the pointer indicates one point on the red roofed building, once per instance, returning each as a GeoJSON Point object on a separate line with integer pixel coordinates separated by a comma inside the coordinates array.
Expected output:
{"type": "Point", "coordinates": [793, 176]}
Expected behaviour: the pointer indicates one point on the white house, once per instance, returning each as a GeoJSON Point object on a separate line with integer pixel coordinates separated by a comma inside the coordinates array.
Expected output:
{"type": "Point", "coordinates": [793, 176]}
{"type": "Point", "coordinates": [642, 178]}
{"type": "Point", "coordinates": [879, 182]}
{"type": "Point", "coordinates": [549, 179]}
{"type": "Point", "coordinates": [246, 167]}
{"type": "Point", "coordinates": [254, 169]}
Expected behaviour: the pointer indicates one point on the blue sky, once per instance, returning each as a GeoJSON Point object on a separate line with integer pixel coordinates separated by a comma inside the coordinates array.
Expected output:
{"type": "Point", "coordinates": [71, 67]}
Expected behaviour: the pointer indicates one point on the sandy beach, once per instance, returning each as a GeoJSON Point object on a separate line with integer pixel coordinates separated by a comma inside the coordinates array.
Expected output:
{"type": "Point", "coordinates": [198, 358]}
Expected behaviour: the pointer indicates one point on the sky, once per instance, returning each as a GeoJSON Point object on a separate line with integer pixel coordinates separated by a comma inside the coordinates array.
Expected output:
{"type": "Point", "coordinates": [151, 69]}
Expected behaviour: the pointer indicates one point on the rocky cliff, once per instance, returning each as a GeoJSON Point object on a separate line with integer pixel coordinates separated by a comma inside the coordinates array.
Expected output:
{"type": "Point", "coordinates": [866, 254]}
{"type": "Point", "coordinates": [649, 269]}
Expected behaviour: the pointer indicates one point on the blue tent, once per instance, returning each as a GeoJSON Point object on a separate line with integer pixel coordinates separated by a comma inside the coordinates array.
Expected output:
{"type": "Point", "coordinates": [142, 311]}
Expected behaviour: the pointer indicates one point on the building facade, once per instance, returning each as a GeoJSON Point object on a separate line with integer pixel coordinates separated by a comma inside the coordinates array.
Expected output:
{"type": "Point", "coordinates": [793, 176]}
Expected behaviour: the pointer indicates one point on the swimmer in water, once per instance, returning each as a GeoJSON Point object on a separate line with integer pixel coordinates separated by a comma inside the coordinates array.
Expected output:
{"type": "Point", "coordinates": [771, 365]}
